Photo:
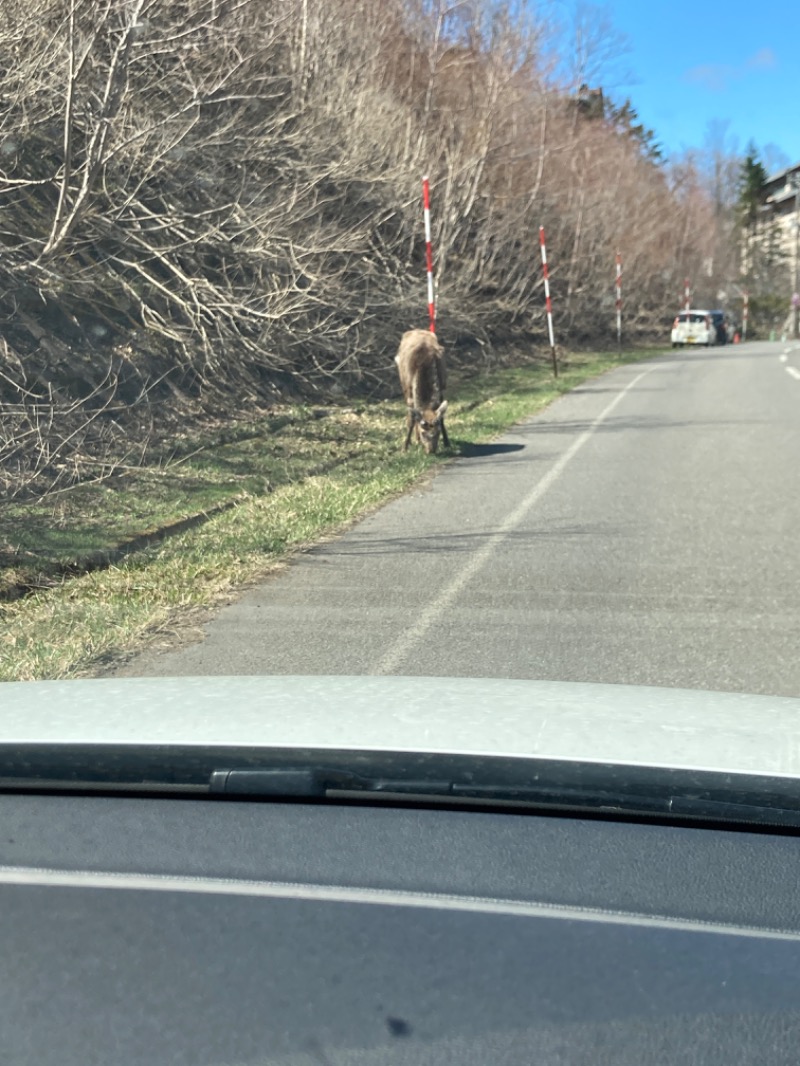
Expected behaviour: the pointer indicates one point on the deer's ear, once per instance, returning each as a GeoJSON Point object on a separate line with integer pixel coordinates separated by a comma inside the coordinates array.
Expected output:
{"type": "Point", "coordinates": [440, 410]}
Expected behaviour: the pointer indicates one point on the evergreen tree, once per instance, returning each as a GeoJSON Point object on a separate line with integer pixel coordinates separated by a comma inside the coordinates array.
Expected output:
{"type": "Point", "coordinates": [752, 179]}
{"type": "Point", "coordinates": [625, 118]}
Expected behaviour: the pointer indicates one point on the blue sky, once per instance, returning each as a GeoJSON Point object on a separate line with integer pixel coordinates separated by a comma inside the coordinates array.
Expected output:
{"type": "Point", "coordinates": [693, 63]}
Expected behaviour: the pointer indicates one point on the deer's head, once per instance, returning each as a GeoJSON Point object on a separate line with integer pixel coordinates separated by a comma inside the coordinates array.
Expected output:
{"type": "Point", "coordinates": [429, 425]}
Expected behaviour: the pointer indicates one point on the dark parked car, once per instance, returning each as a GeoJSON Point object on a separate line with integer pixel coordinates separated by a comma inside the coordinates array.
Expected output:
{"type": "Point", "coordinates": [722, 326]}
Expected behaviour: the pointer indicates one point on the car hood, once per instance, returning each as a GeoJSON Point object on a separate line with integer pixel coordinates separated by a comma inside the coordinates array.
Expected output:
{"type": "Point", "coordinates": [638, 726]}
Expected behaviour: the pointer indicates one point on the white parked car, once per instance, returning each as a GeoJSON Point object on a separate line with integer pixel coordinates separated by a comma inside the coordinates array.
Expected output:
{"type": "Point", "coordinates": [693, 327]}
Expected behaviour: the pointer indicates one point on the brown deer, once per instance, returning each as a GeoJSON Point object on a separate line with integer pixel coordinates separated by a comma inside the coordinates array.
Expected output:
{"type": "Point", "coordinates": [420, 364]}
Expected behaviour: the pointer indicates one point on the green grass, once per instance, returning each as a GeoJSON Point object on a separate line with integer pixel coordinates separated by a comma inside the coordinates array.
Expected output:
{"type": "Point", "coordinates": [292, 479]}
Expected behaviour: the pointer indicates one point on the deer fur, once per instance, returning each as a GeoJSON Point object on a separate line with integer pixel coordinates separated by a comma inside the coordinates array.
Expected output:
{"type": "Point", "coordinates": [420, 364]}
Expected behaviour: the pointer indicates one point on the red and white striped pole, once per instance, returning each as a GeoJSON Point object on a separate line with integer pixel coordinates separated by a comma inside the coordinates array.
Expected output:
{"type": "Point", "coordinates": [619, 302]}
{"type": "Point", "coordinates": [687, 295]}
{"type": "Point", "coordinates": [547, 301]}
{"type": "Point", "coordinates": [426, 204]}
{"type": "Point", "coordinates": [745, 309]}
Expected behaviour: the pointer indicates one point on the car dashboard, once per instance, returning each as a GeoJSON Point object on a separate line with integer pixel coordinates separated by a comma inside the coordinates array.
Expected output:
{"type": "Point", "coordinates": [225, 932]}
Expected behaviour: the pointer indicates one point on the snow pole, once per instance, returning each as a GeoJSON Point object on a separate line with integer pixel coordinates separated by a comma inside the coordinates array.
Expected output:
{"type": "Point", "coordinates": [687, 295]}
{"type": "Point", "coordinates": [618, 283]}
{"type": "Point", "coordinates": [745, 309]}
{"type": "Point", "coordinates": [426, 205]}
{"type": "Point", "coordinates": [547, 301]}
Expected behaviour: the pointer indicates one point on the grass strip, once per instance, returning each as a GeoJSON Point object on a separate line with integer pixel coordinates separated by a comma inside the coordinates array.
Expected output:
{"type": "Point", "coordinates": [308, 479]}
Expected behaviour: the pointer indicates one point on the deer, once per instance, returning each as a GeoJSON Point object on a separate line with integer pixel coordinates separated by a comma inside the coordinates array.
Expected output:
{"type": "Point", "coordinates": [420, 364]}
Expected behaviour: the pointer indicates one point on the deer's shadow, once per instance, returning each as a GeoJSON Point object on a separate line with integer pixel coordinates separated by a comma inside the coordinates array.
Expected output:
{"type": "Point", "coordinates": [466, 450]}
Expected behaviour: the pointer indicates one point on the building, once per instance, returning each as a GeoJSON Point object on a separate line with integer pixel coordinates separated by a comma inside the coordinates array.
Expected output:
{"type": "Point", "coordinates": [782, 208]}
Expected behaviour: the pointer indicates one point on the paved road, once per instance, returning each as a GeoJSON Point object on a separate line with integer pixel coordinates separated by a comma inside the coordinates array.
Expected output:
{"type": "Point", "coordinates": [645, 529]}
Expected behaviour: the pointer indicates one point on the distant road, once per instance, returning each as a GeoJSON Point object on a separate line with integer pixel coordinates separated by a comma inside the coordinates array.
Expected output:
{"type": "Point", "coordinates": [644, 529]}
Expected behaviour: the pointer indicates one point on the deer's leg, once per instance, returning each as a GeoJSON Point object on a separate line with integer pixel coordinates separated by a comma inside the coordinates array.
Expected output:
{"type": "Point", "coordinates": [410, 429]}
{"type": "Point", "coordinates": [445, 438]}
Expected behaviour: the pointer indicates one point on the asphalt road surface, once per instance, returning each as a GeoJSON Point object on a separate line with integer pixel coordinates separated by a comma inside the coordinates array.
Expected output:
{"type": "Point", "coordinates": [644, 529]}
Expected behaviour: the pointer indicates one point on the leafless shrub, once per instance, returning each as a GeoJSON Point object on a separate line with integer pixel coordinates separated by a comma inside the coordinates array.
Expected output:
{"type": "Point", "coordinates": [50, 443]}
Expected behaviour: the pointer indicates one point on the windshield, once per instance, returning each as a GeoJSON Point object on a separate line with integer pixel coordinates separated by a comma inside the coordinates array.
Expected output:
{"type": "Point", "coordinates": [335, 341]}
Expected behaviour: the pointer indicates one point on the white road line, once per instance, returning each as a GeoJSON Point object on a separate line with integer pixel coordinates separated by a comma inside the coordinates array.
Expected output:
{"type": "Point", "coordinates": [436, 608]}
{"type": "Point", "coordinates": [793, 371]}
{"type": "Point", "coordinates": [104, 880]}
{"type": "Point", "coordinates": [783, 357]}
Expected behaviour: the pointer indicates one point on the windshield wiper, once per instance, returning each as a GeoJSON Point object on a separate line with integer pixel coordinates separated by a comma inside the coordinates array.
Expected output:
{"type": "Point", "coordinates": [315, 782]}
{"type": "Point", "coordinates": [321, 782]}
{"type": "Point", "coordinates": [431, 778]}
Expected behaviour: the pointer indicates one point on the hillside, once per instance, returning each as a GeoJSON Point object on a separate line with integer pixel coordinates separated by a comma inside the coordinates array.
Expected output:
{"type": "Point", "coordinates": [211, 205]}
